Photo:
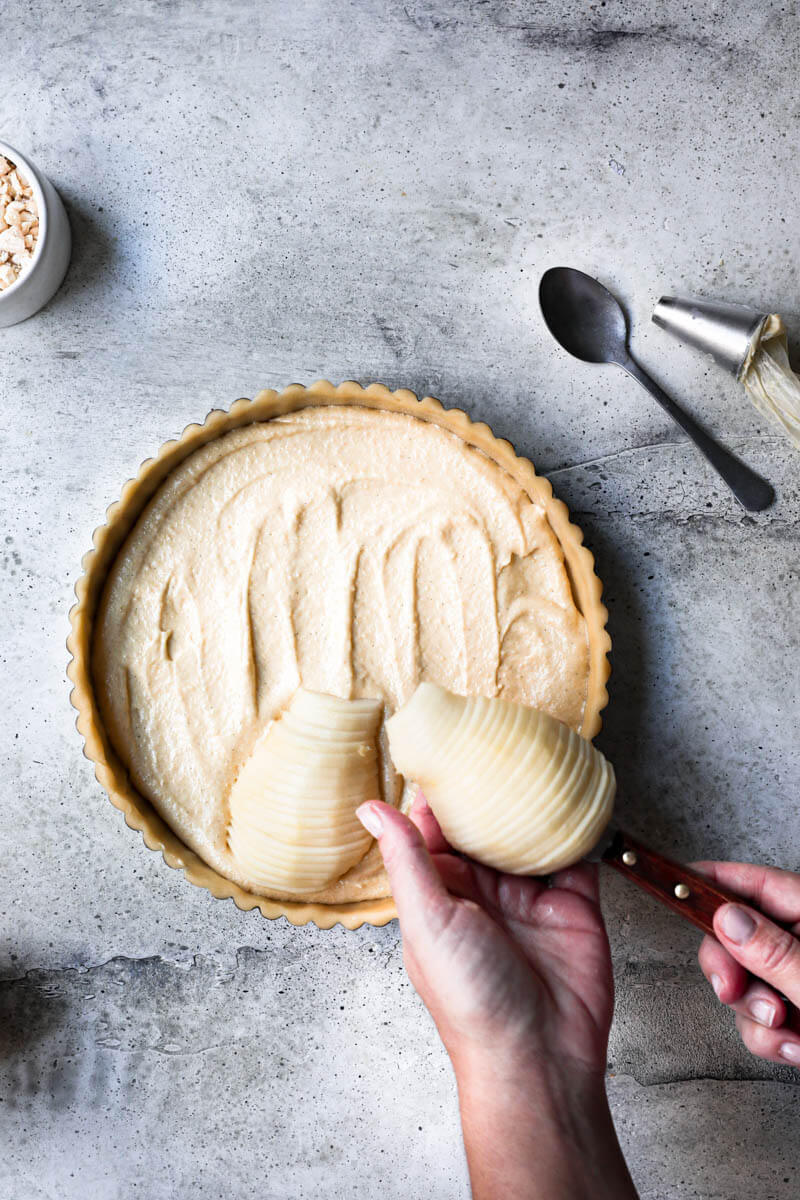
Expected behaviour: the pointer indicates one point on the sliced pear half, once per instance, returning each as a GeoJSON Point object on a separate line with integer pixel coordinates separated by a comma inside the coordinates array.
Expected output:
{"type": "Point", "coordinates": [293, 828]}
{"type": "Point", "coordinates": [510, 786]}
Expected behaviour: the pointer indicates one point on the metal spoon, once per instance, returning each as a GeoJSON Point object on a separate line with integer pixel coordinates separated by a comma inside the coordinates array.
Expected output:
{"type": "Point", "coordinates": [590, 324]}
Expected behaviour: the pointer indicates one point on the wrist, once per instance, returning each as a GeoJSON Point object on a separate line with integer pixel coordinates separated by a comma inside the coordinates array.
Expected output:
{"type": "Point", "coordinates": [541, 1126]}
{"type": "Point", "coordinates": [527, 1069]}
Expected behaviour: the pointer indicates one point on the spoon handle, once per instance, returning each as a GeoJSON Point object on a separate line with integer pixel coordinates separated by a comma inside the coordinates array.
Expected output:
{"type": "Point", "coordinates": [753, 492]}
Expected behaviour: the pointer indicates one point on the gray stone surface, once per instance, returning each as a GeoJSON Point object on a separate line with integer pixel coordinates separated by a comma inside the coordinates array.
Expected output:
{"type": "Point", "coordinates": [262, 193]}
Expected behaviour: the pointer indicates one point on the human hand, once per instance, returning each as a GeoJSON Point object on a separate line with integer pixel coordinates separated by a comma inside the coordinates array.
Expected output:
{"type": "Point", "coordinates": [752, 960]}
{"type": "Point", "coordinates": [500, 961]}
{"type": "Point", "coordinates": [517, 976]}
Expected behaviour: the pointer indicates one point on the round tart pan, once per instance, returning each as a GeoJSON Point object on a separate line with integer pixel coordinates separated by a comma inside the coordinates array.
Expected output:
{"type": "Point", "coordinates": [121, 517]}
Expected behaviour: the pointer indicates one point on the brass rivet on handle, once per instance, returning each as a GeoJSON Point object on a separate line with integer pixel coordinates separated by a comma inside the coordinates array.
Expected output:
{"type": "Point", "coordinates": [682, 891]}
{"type": "Point", "coordinates": [629, 858]}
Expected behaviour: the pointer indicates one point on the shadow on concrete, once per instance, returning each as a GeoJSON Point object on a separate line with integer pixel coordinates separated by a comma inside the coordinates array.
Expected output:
{"type": "Point", "coordinates": [94, 252]}
{"type": "Point", "coordinates": [32, 1015]}
{"type": "Point", "coordinates": [626, 721]}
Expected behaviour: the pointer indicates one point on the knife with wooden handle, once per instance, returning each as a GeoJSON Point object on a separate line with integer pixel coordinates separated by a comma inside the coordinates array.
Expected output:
{"type": "Point", "coordinates": [679, 887]}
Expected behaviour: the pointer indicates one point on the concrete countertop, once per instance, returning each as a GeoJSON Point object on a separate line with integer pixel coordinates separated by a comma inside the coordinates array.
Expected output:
{"type": "Point", "coordinates": [262, 193]}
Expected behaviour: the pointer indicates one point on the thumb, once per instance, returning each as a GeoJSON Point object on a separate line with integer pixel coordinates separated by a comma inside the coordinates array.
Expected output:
{"type": "Point", "coordinates": [765, 949]}
{"type": "Point", "coordinates": [424, 905]}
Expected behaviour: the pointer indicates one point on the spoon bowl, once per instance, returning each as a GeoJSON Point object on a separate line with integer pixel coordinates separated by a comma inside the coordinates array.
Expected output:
{"type": "Point", "coordinates": [583, 316]}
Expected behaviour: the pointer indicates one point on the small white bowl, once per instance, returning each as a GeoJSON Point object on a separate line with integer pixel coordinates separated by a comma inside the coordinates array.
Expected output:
{"type": "Point", "coordinates": [40, 281]}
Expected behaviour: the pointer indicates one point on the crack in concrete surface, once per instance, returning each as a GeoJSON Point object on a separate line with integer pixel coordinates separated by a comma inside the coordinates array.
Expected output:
{"type": "Point", "coordinates": [668, 483]}
{"type": "Point", "coordinates": [731, 443]}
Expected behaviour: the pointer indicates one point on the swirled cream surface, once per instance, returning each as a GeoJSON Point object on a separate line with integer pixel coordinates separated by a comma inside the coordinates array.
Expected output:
{"type": "Point", "coordinates": [353, 551]}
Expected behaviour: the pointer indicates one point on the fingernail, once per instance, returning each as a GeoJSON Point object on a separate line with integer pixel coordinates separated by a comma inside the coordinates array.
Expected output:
{"type": "Point", "coordinates": [762, 1011]}
{"type": "Point", "coordinates": [791, 1052]}
{"type": "Point", "coordinates": [370, 818]}
{"type": "Point", "coordinates": [737, 924]}
{"type": "Point", "coordinates": [717, 984]}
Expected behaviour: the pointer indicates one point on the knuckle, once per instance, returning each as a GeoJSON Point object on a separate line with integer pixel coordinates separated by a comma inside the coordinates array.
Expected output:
{"type": "Point", "coordinates": [705, 954]}
{"type": "Point", "coordinates": [779, 951]}
{"type": "Point", "coordinates": [401, 843]}
{"type": "Point", "coordinates": [754, 1037]}
{"type": "Point", "coordinates": [442, 919]}
{"type": "Point", "coordinates": [389, 851]}
{"type": "Point", "coordinates": [506, 891]}
{"type": "Point", "coordinates": [749, 1041]}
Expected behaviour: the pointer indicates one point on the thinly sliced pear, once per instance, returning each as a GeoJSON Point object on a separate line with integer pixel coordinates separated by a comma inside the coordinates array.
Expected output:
{"type": "Point", "coordinates": [293, 828]}
{"type": "Point", "coordinates": [510, 786]}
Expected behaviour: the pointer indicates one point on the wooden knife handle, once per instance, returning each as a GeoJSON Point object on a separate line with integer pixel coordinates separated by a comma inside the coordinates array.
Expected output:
{"type": "Point", "coordinates": [684, 891]}
{"type": "Point", "coordinates": [679, 887]}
